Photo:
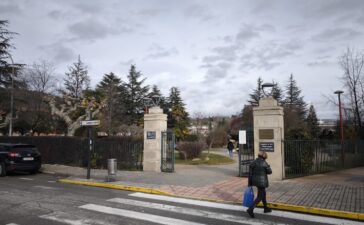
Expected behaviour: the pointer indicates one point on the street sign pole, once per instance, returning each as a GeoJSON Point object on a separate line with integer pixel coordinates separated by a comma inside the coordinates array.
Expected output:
{"type": "Point", "coordinates": [89, 123]}
{"type": "Point", "coordinates": [89, 152]}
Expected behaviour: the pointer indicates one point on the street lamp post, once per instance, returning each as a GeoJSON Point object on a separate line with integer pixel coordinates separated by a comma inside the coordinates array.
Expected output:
{"type": "Point", "coordinates": [270, 86]}
{"type": "Point", "coordinates": [339, 92]}
{"type": "Point", "coordinates": [11, 97]}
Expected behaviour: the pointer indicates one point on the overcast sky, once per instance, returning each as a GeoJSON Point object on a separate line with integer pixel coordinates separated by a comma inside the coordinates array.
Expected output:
{"type": "Point", "coordinates": [212, 50]}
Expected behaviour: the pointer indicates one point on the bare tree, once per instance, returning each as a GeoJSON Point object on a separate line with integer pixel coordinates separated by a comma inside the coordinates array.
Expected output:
{"type": "Point", "coordinates": [199, 121]}
{"type": "Point", "coordinates": [67, 107]}
{"type": "Point", "coordinates": [352, 63]}
{"type": "Point", "coordinates": [40, 76]}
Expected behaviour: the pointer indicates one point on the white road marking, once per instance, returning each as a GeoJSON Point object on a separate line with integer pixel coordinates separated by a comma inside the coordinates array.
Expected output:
{"type": "Point", "coordinates": [189, 201]}
{"type": "Point", "coordinates": [44, 187]}
{"type": "Point", "coordinates": [12, 224]}
{"type": "Point", "coordinates": [137, 215]}
{"type": "Point", "coordinates": [187, 211]}
{"type": "Point", "coordinates": [24, 178]}
{"type": "Point", "coordinates": [51, 181]}
{"type": "Point", "coordinates": [276, 213]}
{"type": "Point", "coordinates": [71, 220]}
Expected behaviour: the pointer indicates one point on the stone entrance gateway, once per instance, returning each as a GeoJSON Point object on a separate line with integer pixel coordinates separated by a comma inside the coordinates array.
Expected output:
{"type": "Point", "coordinates": [269, 133]}
{"type": "Point", "coordinates": [158, 153]}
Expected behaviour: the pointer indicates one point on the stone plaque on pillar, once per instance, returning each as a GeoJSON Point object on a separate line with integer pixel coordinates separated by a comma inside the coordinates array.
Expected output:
{"type": "Point", "coordinates": [269, 133]}
{"type": "Point", "coordinates": [154, 123]}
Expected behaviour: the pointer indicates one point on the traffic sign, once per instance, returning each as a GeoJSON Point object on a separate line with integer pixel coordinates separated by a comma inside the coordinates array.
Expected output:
{"type": "Point", "coordinates": [90, 122]}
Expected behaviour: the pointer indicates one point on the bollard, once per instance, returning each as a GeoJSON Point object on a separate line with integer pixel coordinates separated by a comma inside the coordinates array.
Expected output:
{"type": "Point", "coordinates": [111, 169]}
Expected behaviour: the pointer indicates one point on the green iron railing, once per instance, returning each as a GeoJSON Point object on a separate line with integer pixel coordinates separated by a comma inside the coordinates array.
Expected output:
{"type": "Point", "coordinates": [307, 157]}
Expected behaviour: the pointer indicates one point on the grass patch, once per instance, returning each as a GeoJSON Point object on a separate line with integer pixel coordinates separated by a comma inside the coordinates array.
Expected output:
{"type": "Point", "coordinates": [214, 159]}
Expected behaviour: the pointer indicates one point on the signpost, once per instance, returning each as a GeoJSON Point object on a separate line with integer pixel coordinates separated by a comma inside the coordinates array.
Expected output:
{"type": "Point", "coordinates": [242, 137]}
{"type": "Point", "coordinates": [89, 124]}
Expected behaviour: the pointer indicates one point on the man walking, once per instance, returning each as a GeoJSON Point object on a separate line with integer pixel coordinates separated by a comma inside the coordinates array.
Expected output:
{"type": "Point", "coordinates": [258, 171]}
{"type": "Point", "coordinates": [230, 148]}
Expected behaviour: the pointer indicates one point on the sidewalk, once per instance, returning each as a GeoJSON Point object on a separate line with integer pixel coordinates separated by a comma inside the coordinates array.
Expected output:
{"type": "Point", "coordinates": [339, 194]}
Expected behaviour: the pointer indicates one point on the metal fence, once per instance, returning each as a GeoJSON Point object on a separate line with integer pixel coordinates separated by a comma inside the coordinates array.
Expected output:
{"type": "Point", "coordinates": [246, 153]}
{"type": "Point", "coordinates": [72, 151]}
{"type": "Point", "coordinates": [167, 152]}
{"type": "Point", "coordinates": [307, 157]}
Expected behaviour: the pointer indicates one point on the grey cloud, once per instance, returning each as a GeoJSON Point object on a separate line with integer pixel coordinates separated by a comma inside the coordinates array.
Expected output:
{"type": "Point", "coordinates": [226, 53]}
{"type": "Point", "coordinates": [198, 11]}
{"type": "Point", "coordinates": [9, 8]}
{"type": "Point", "coordinates": [324, 50]}
{"type": "Point", "coordinates": [270, 56]}
{"type": "Point", "coordinates": [262, 6]}
{"type": "Point", "coordinates": [128, 62]}
{"type": "Point", "coordinates": [92, 29]}
{"type": "Point", "coordinates": [318, 63]}
{"type": "Point", "coordinates": [159, 52]}
{"type": "Point", "coordinates": [247, 33]}
{"type": "Point", "coordinates": [223, 58]}
{"type": "Point", "coordinates": [150, 12]}
{"type": "Point", "coordinates": [228, 39]}
{"type": "Point", "coordinates": [336, 34]}
{"type": "Point", "coordinates": [360, 20]}
{"type": "Point", "coordinates": [217, 72]}
{"type": "Point", "coordinates": [89, 7]}
{"type": "Point", "coordinates": [59, 52]}
{"type": "Point", "coordinates": [64, 54]}
{"type": "Point", "coordinates": [60, 15]}
{"type": "Point", "coordinates": [267, 28]}
{"type": "Point", "coordinates": [337, 7]}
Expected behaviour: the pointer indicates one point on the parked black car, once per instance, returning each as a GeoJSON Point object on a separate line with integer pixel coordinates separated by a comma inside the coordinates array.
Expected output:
{"type": "Point", "coordinates": [19, 157]}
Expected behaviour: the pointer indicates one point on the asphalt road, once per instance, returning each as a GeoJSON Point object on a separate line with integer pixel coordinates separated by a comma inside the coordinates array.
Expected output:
{"type": "Point", "coordinates": [39, 199]}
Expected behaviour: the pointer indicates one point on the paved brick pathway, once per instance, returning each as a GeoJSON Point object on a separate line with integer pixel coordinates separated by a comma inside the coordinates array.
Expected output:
{"type": "Point", "coordinates": [343, 190]}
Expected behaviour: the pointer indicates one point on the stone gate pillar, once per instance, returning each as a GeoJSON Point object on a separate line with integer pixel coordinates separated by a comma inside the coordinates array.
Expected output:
{"type": "Point", "coordinates": [269, 134]}
{"type": "Point", "coordinates": [154, 123]}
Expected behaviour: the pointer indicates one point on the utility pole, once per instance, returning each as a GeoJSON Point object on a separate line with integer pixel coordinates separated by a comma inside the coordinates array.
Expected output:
{"type": "Point", "coordinates": [339, 92]}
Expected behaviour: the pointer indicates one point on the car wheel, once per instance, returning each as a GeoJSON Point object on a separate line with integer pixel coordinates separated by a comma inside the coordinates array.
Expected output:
{"type": "Point", "coordinates": [2, 169]}
{"type": "Point", "coordinates": [34, 171]}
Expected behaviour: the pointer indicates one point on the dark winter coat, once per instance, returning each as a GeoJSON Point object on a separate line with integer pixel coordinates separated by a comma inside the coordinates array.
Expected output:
{"type": "Point", "coordinates": [258, 171]}
{"type": "Point", "coordinates": [230, 146]}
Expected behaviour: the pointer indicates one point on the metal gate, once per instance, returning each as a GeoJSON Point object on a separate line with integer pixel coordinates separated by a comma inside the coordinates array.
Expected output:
{"type": "Point", "coordinates": [246, 153]}
{"type": "Point", "coordinates": [167, 152]}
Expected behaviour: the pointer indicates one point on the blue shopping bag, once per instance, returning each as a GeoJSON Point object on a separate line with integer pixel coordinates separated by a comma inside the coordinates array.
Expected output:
{"type": "Point", "coordinates": [248, 197]}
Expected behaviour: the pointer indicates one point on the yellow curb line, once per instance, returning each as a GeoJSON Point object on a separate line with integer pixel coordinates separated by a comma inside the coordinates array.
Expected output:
{"type": "Point", "coordinates": [317, 211]}
{"type": "Point", "coordinates": [115, 186]}
{"type": "Point", "coordinates": [281, 206]}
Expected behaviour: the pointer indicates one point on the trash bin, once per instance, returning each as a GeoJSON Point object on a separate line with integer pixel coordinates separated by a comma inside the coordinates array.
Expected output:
{"type": "Point", "coordinates": [111, 167]}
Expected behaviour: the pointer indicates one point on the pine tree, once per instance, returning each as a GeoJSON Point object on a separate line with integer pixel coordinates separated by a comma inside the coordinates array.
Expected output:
{"type": "Point", "coordinates": [135, 96]}
{"type": "Point", "coordinates": [257, 93]}
{"type": "Point", "coordinates": [312, 122]}
{"type": "Point", "coordinates": [112, 91]}
{"type": "Point", "coordinates": [293, 99]}
{"type": "Point", "coordinates": [178, 117]}
{"type": "Point", "coordinates": [294, 112]}
{"type": "Point", "coordinates": [156, 96]}
{"type": "Point", "coordinates": [277, 93]}
{"type": "Point", "coordinates": [5, 45]}
{"type": "Point", "coordinates": [77, 79]}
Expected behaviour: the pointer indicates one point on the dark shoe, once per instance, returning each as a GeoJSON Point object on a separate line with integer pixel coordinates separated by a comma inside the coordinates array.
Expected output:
{"type": "Point", "coordinates": [267, 210]}
{"type": "Point", "coordinates": [250, 212]}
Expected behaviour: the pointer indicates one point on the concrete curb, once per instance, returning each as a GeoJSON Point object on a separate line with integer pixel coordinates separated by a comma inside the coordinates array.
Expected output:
{"type": "Point", "coordinates": [280, 206]}
{"type": "Point", "coordinates": [115, 186]}
{"type": "Point", "coordinates": [317, 211]}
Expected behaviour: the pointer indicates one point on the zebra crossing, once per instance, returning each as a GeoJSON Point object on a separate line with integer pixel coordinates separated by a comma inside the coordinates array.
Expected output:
{"type": "Point", "coordinates": [141, 208]}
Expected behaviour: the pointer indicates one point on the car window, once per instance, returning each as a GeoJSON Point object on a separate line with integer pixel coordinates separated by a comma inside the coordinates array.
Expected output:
{"type": "Point", "coordinates": [20, 147]}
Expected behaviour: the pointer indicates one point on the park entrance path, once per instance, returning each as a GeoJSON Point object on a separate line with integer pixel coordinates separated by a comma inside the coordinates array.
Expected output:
{"type": "Point", "coordinates": [341, 190]}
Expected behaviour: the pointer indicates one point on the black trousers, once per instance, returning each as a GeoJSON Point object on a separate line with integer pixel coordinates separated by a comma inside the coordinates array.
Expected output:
{"type": "Point", "coordinates": [260, 197]}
